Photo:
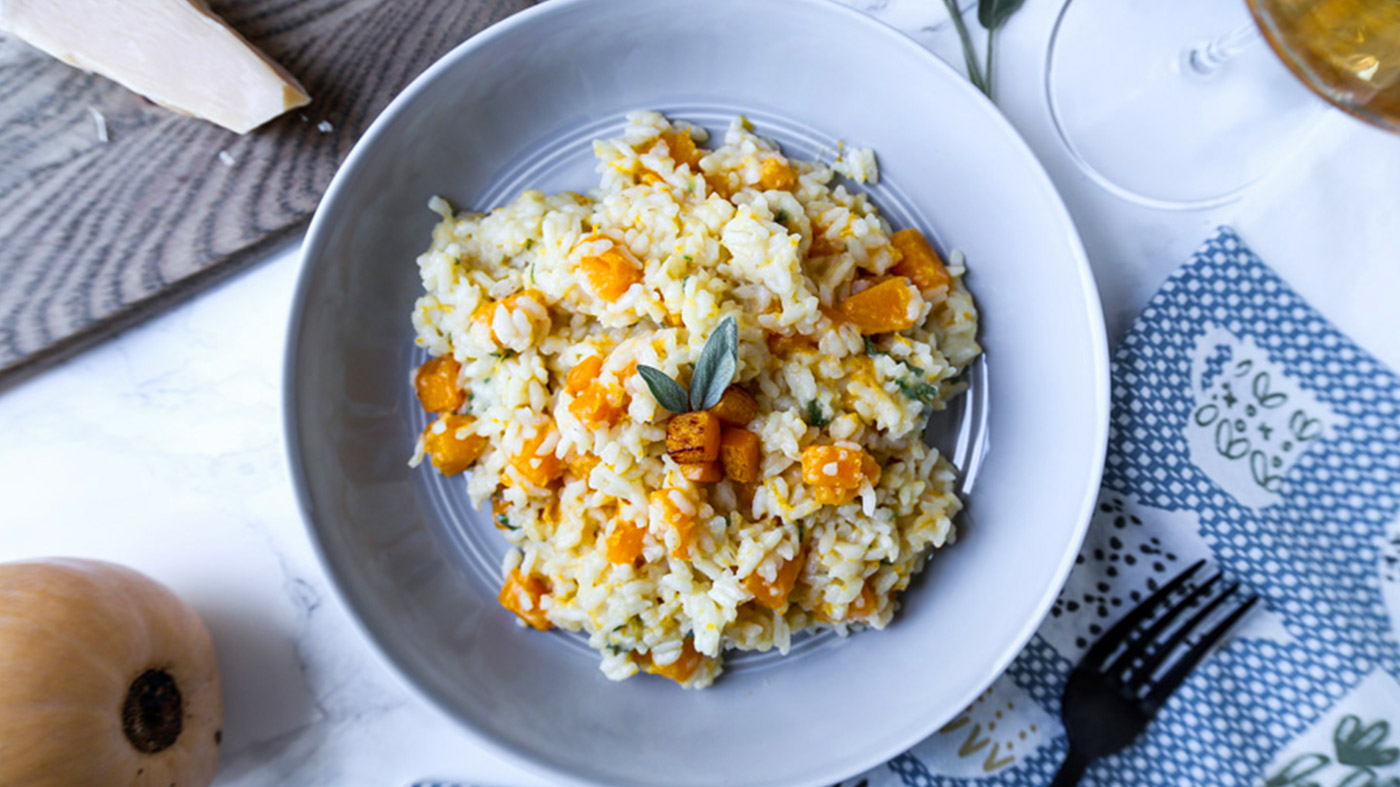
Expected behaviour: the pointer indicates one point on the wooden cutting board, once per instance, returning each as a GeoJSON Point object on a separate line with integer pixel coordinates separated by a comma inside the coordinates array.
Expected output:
{"type": "Point", "coordinates": [95, 236]}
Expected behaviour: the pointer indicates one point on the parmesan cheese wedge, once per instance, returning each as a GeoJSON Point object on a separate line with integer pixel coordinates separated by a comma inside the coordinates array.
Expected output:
{"type": "Point", "coordinates": [177, 53]}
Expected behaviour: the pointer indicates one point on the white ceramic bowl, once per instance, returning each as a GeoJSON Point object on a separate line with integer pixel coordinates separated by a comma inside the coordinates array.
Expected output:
{"type": "Point", "coordinates": [515, 107]}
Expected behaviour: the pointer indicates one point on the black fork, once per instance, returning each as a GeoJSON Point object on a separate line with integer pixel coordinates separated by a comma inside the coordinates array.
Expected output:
{"type": "Point", "coordinates": [1109, 702]}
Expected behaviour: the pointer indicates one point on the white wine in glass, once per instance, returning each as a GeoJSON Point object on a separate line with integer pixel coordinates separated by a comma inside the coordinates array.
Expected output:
{"type": "Point", "coordinates": [1347, 51]}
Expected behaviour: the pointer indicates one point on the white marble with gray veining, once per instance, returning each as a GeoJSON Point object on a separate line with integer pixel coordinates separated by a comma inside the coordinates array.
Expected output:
{"type": "Point", "coordinates": [162, 449]}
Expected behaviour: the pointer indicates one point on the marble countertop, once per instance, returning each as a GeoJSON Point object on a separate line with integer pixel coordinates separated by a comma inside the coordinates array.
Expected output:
{"type": "Point", "coordinates": [162, 449]}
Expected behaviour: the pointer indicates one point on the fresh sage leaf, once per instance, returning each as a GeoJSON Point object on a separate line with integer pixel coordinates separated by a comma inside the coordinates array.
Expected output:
{"type": "Point", "coordinates": [715, 367]}
{"type": "Point", "coordinates": [669, 393]}
{"type": "Point", "coordinates": [994, 13]}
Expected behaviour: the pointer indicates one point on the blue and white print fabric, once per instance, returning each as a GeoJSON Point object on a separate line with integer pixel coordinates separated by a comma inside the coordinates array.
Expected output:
{"type": "Point", "coordinates": [1249, 431]}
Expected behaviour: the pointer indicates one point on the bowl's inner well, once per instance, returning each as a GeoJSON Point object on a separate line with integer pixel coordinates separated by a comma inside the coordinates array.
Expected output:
{"type": "Point", "coordinates": [565, 162]}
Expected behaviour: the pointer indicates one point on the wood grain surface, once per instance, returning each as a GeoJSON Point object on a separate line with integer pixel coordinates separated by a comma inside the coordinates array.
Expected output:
{"type": "Point", "coordinates": [96, 235]}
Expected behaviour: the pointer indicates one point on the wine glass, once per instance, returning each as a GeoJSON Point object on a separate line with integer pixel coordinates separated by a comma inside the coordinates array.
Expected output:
{"type": "Point", "coordinates": [1182, 104]}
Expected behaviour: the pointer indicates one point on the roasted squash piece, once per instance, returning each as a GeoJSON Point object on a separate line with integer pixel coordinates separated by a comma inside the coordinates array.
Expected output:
{"type": "Point", "coordinates": [920, 263]}
{"type": "Point", "coordinates": [739, 452]}
{"type": "Point", "coordinates": [522, 595]}
{"type": "Point", "coordinates": [881, 308]}
{"type": "Point", "coordinates": [450, 446]}
{"type": "Point", "coordinates": [864, 606]}
{"type": "Point", "coordinates": [822, 245]}
{"type": "Point", "coordinates": [831, 465]}
{"type": "Point", "coordinates": [611, 273]}
{"type": "Point", "coordinates": [599, 405]}
{"type": "Point", "coordinates": [681, 670]}
{"type": "Point", "coordinates": [736, 407]}
{"type": "Point", "coordinates": [777, 175]}
{"type": "Point", "coordinates": [703, 472]}
{"type": "Point", "coordinates": [682, 148]}
{"type": "Point", "coordinates": [774, 595]}
{"type": "Point", "coordinates": [436, 384]}
{"type": "Point", "coordinates": [678, 513]}
{"type": "Point", "coordinates": [532, 302]}
{"type": "Point", "coordinates": [582, 375]}
{"type": "Point", "coordinates": [581, 465]}
{"type": "Point", "coordinates": [625, 541]}
{"type": "Point", "coordinates": [693, 437]}
{"type": "Point", "coordinates": [535, 463]}
{"type": "Point", "coordinates": [784, 344]}
{"type": "Point", "coordinates": [834, 495]}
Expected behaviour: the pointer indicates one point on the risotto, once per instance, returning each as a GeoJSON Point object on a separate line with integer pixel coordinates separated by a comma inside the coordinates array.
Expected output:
{"type": "Point", "coordinates": [799, 495]}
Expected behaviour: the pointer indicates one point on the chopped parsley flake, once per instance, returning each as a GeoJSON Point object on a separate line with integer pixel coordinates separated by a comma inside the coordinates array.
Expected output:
{"type": "Point", "coordinates": [801, 533]}
{"type": "Point", "coordinates": [504, 355]}
{"type": "Point", "coordinates": [871, 349]}
{"type": "Point", "coordinates": [781, 216]}
{"type": "Point", "coordinates": [504, 521]}
{"type": "Point", "coordinates": [922, 392]}
{"type": "Point", "coordinates": [815, 415]}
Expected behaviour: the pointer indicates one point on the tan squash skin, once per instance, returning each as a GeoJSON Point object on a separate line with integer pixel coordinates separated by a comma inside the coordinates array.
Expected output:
{"type": "Point", "coordinates": [74, 636]}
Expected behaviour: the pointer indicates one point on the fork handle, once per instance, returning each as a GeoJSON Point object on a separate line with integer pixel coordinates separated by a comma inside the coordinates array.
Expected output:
{"type": "Point", "coordinates": [1072, 768]}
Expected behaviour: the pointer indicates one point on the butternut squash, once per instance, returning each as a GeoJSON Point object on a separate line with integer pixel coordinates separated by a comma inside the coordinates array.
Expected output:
{"type": "Point", "coordinates": [693, 437]}
{"type": "Point", "coordinates": [450, 445]}
{"type": "Point", "coordinates": [919, 263]}
{"type": "Point", "coordinates": [436, 385]}
{"type": "Point", "coordinates": [881, 308]}
{"type": "Point", "coordinates": [109, 679]}
{"type": "Point", "coordinates": [523, 595]}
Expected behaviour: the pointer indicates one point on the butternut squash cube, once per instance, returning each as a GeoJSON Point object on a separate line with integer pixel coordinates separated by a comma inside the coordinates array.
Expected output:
{"type": "Point", "coordinates": [777, 175]}
{"type": "Point", "coordinates": [599, 405]}
{"type": "Point", "coordinates": [681, 670]}
{"type": "Point", "coordinates": [682, 148]}
{"type": "Point", "coordinates": [703, 472]}
{"type": "Point", "coordinates": [625, 542]}
{"type": "Point", "coordinates": [531, 302]}
{"type": "Point", "coordinates": [864, 606]}
{"type": "Point", "coordinates": [920, 263]}
{"type": "Point", "coordinates": [537, 463]}
{"type": "Point", "coordinates": [436, 384]}
{"type": "Point", "coordinates": [679, 515]}
{"type": "Point", "coordinates": [582, 375]}
{"type": "Point", "coordinates": [831, 465]}
{"type": "Point", "coordinates": [611, 273]}
{"type": "Point", "coordinates": [774, 595]}
{"type": "Point", "coordinates": [450, 446]}
{"type": "Point", "coordinates": [834, 495]}
{"type": "Point", "coordinates": [882, 308]}
{"type": "Point", "coordinates": [581, 465]}
{"type": "Point", "coordinates": [739, 452]}
{"type": "Point", "coordinates": [736, 407]}
{"type": "Point", "coordinates": [522, 595]}
{"type": "Point", "coordinates": [693, 437]}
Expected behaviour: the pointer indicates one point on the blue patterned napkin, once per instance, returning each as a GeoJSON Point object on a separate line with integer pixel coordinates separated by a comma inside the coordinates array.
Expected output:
{"type": "Point", "coordinates": [1246, 430]}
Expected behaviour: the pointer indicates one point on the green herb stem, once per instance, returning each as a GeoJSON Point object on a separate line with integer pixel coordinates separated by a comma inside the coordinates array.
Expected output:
{"type": "Point", "coordinates": [988, 86]}
{"type": "Point", "coordinates": [974, 73]}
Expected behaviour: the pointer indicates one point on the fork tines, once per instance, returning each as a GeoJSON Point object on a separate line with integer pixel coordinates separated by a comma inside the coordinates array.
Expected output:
{"type": "Point", "coordinates": [1151, 656]}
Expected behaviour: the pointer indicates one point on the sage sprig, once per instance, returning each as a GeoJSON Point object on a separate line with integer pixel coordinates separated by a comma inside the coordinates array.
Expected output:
{"type": "Point", "coordinates": [714, 371]}
{"type": "Point", "coordinates": [992, 14]}
{"type": "Point", "coordinates": [669, 393]}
